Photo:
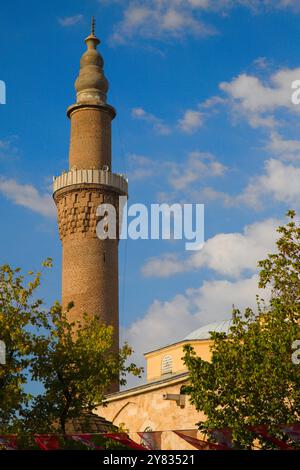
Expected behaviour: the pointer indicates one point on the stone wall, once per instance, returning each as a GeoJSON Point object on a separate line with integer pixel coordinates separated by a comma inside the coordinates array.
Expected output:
{"type": "Point", "coordinates": [89, 265]}
{"type": "Point", "coordinates": [90, 145]}
{"type": "Point", "coordinates": [137, 411]}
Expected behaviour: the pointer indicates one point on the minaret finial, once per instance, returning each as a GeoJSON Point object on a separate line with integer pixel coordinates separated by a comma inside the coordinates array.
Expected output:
{"type": "Point", "coordinates": [93, 26]}
{"type": "Point", "coordinates": [91, 84]}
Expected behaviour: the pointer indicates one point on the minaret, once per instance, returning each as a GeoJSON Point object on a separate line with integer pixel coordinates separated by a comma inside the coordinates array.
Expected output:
{"type": "Point", "coordinates": [89, 265]}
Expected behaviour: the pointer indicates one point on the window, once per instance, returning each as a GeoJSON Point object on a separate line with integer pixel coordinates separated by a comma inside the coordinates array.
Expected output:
{"type": "Point", "coordinates": [166, 364]}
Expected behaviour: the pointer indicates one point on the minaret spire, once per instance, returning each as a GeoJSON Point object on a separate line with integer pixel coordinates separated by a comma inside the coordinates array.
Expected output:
{"type": "Point", "coordinates": [91, 84]}
{"type": "Point", "coordinates": [93, 26]}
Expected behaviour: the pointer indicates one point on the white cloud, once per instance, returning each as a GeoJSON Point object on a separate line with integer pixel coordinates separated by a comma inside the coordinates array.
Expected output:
{"type": "Point", "coordinates": [159, 19]}
{"type": "Point", "coordinates": [210, 194]}
{"type": "Point", "coordinates": [232, 254]}
{"type": "Point", "coordinates": [212, 102]}
{"type": "Point", "coordinates": [164, 266]}
{"type": "Point", "coordinates": [214, 299]}
{"type": "Point", "coordinates": [8, 147]}
{"type": "Point", "coordinates": [253, 95]}
{"type": "Point", "coordinates": [227, 254]}
{"type": "Point", "coordinates": [4, 144]}
{"type": "Point", "coordinates": [260, 103]}
{"type": "Point", "coordinates": [68, 21]}
{"type": "Point", "coordinates": [286, 149]}
{"type": "Point", "coordinates": [294, 4]}
{"type": "Point", "coordinates": [28, 196]}
{"type": "Point", "coordinates": [258, 6]}
{"type": "Point", "coordinates": [199, 3]}
{"type": "Point", "coordinates": [191, 121]}
{"type": "Point", "coordinates": [166, 19]}
{"type": "Point", "coordinates": [258, 100]}
{"type": "Point", "coordinates": [158, 124]}
{"type": "Point", "coordinates": [213, 4]}
{"type": "Point", "coordinates": [199, 165]}
{"type": "Point", "coordinates": [179, 22]}
{"type": "Point", "coordinates": [261, 62]}
{"type": "Point", "coordinates": [141, 167]}
{"type": "Point", "coordinates": [257, 121]}
{"type": "Point", "coordinates": [279, 181]}
{"type": "Point", "coordinates": [179, 176]}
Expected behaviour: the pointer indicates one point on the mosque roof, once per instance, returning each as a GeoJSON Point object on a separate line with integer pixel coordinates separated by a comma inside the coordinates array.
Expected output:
{"type": "Point", "coordinates": [204, 331]}
{"type": "Point", "coordinates": [89, 423]}
{"type": "Point", "coordinates": [201, 333]}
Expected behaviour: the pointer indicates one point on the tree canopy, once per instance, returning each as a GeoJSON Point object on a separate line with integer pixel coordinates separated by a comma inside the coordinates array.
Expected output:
{"type": "Point", "coordinates": [253, 377]}
{"type": "Point", "coordinates": [74, 363]}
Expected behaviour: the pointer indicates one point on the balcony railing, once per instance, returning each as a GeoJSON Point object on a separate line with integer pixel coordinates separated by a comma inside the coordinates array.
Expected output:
{"type": "Point", "coordinates": [105, 178]}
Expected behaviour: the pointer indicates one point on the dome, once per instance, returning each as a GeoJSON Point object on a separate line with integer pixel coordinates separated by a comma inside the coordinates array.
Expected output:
{"type": "Point", "coordinates": [204, 331]}
{"type": "Point", "coordinates": [89, 423]}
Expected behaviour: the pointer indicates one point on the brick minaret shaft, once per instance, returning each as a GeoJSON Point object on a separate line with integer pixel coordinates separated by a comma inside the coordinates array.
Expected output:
{"type": "Point", "coordinates": [89, 265]}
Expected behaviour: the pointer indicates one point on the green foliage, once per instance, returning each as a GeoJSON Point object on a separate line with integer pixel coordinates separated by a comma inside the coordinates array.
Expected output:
{"type": "Point", "coordinates": [20, 314]}
{"type": "Point", "coordinates": [74, 362]}
{"type": "Point", "coordinates": [77, 365]}
{"type": "Point", "coordinates": [251, 378]}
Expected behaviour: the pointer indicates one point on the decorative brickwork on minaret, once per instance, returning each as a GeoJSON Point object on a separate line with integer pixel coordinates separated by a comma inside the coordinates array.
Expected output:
{"type": "Point", "coordinates": [89, 265]}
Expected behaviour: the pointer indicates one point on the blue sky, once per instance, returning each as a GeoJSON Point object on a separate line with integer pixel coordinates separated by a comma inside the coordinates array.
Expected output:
{"type": "Point", "coordinates": [203, 94]}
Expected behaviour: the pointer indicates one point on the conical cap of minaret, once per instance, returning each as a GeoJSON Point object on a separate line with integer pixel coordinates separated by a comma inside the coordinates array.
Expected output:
{"type": "Point", "coordinates": [91, 85]}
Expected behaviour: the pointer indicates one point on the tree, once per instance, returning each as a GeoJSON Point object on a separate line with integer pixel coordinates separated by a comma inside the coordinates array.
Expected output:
{"type": "Point", "coordinates": [21, 318]}
{"type": "Point", "coordinates": [74, 362]}
{"type": "Point", "coordinates": [251, 378]}
{"type": "Point", "coordinates": [77, 366]}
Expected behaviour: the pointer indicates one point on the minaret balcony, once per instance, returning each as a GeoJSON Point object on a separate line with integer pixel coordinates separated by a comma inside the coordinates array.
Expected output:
{"type": "Point", "coordinates": [104, 178]}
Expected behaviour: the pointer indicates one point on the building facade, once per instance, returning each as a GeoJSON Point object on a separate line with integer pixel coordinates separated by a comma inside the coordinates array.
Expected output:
{"type": "Point", "coordinates": [159, 407]}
